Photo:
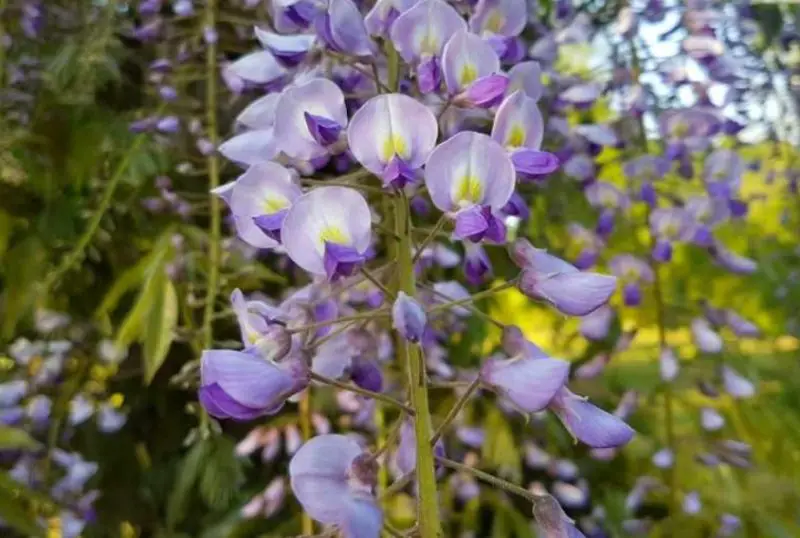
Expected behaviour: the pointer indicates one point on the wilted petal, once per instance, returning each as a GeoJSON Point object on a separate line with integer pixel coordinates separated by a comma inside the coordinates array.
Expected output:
{"type": "Point", "coordinates": [469, 169]}
{"type": "Point", "coordinates": [389, 127]}
{"type": "Point", "coordinates": [530, 383]}
{"type": "Point", "coordinates": [467, 58]}
{"type": "Point", "coordinates": [325, 215]}
{"type": "Point", "coordinates": [589, 423]}
{"type": "Point", "coordinates": [424, 29]}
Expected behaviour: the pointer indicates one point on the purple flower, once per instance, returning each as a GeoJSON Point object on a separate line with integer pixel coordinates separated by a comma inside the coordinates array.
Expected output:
{"type": "Point", "coordinates": [470, 176]}
{"type": "Point", "coordinates": [11, 392]}
{"type": "Point", "coordinates": [737, 385]}
{"type": "Point", "coordinates": [467, 59]}
{"type": "Point", "coordinates": [529, 382]}
{"type": "Point", "coordinates": [333, 478]}
{"type": "Point", "coordinates": [691, 503]}
{"type": "Point", "coordinates": [742, 327]}
{"type": "Point", "coordinates": [309, 119]}
{"type": "Point", "coordinates": [526, 77]}
{"type": "Point", "coordinates": [705, 338]}
{"type": "Point", "coordinates": [420, 33]}
{"type": "Point", "coordinates": [668, 225]}
{"type": "Point", "coordinates": [259, 200]}
{"type": "Point", "coordinates": [391, 136]}
{"type": "Point", "coordinates": [588, 423]}
{"type": "Point", "coordinates": [327, 231]}
{"type": "Point", "coordinates": [384, 13]}
{"type": "Point", "coordinates": [257, 323]}
{"type": "Point", "coordinates": [551, 519]}
{"type": "Point", "coordinates": [408, 317]}
{"type": "Point", "coordinates": [519, 127]}
{"type": "Point", "coordinates": [582, 95]}
{"type": "Point", "coordinates": [664, 458]}
{"type": "Point", "coordinates": [260, 114]}
{"type": "Point", "coordinates": [571, 292]}
{"type": "Point", "coordinates": [711, 420]}
{"type": "Point", "coordinates": [405, 457]}
{"type": "Point", "coordinates": [341, 27]}
{"type": "Point", "coordinates": [259, 67]}
{"type": "Point", "coordinates": [244, 385]}
{"type": "Point", "coordinates": [477, 266]}
{"type": "Point", "coordinates": [731, 261]}
{"type": "Point", "coordinates": [289, 49]}
{"type": "Point", "coordinates": [609, 199]}
{"type": "Point", "coordinates": [632, 271]}
{"type": "Point", "coordinates": [668, 364]}
{"type": "Point", "coordinates": [485, 92]}
{"type": "Point", "coordinates": [499, 17]}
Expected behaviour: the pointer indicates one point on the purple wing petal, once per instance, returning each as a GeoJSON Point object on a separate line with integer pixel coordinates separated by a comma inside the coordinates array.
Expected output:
{"type": "Point", "coordinates": [592, 425]}
{"type": "Point", "coordinates": [528, 382]}
{"type": "Point", "coordinates": [576, 294]}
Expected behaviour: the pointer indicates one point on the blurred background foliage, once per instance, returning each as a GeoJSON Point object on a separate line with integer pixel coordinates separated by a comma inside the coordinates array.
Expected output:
{"type": "Point", "coordinates": [74, 238]}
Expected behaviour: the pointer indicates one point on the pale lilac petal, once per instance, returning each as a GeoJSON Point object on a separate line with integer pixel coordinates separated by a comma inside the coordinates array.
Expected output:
{"type": "Point", "coordinates": [711, 420]}
{"type": "Point", "coordinates": [259, 67]}
{"type": "Point", "coordinates": [737, 385]}
{"type": "Point", "coordinates": [384, 13]}
{"type": "Point", "coordinates": [590, 424]}
{"type": "Point", "coordinates": [347, 31]}
{"type": "Point", "coordinates": [602, 135]}
{"type": "Point", "coordinates": [596, 325]}
{"type": "Point", "coordinates": [469, 169]}
{"type": "Point", "coordinates": [526, 256]}
{"type": "Point", "coordinates": [467, 58]}
{"type": "Point", "coordinates": [526, 77]}
{"type": "Point", "coordinates": [530, 383]}
{"type": "Point", "coordinates": [705, 338]}
{"type": "Point", "coordinates": [285, 44]}
{"type": "Point", "coordinates": [733, 262]}
{"type": "Point", "coordinates": [260, 114]}
{"type": "Point", "coordinates": [319, 473]}
{"type": "Point", "coordinates": [334, 214]}
{"type": "Point", "coordinates": [424, 29]}
{"type": "Point", "coordinates": [333, 358]}
{"type": "Point", "coordinates": [499, 17]}
{"type": "Point", "coordinates": [251, 147]}
{"type": "Point", "coordinates": [518, 123]}
{"type": "Point", "coordinates": [450, 291]}
{"type": "Point", "coordinates": [389, 126]}
{"type": "Point", "coordinates": [363, 518]}
{"type": "Point", "coordinates": [668, 364]}
{"type": "Point", "coordinates": [573, 294]}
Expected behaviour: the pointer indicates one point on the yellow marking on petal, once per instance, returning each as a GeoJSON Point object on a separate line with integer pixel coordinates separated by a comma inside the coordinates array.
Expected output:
{"type": "Point", "coordinates": [468, 74]}
{"type": "Point", "coordinates": [469, 190]}
{"type": "Point", "coordinates": [680, 130]}
{"type": "Point", "coordinates": [516, 136]}
{"type": "Point", "coordinates": [394, 145]}
{"type": "Point", "coordinates": [495, 22]}
{"type": "Point", "coordinates": [333, 234]}
{"type": "Point", "coordinates": [116, 400]}
{"type": "Point", "coordinates": [273, 204]}
{"type": "Point", "coordinates": [429, 44]}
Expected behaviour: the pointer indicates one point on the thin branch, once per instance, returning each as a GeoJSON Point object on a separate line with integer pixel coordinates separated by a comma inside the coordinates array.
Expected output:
{"type": "Point", "coordinates": [491, 479]}
{"type": "Point", "coordinates": [430, 237]}
{"type": "Point", "coordinates": [355, 317]}
{"type": "Point", "coordinates": [456, 409]}
{"type": "Point", "coordinates": [363, 392]}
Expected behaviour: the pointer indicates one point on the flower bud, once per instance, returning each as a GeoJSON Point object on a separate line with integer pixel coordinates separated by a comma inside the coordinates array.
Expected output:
{"type": "Point", "coordinates": [408, 317]}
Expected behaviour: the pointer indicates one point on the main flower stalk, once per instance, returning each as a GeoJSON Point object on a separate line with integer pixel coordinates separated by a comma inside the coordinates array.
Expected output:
{"type": "Point", "coordinates": [410, 355]}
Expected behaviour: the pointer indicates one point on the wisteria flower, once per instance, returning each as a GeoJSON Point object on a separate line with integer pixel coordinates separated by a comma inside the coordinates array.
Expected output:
{"type": "Point", "coordinates": [632, 272]}
{"type": "Point", "coordinates": [244, 385]}
{"type": "Point", "coordinates": [381, 17]}
{"type": "Point", "coordinates": [668, 225]}
{"type": "Point", "coordinates": [260, 200]}
{"type": "Point", "coordinates": [736, 384]}
{"type": "Point", "coordinates": [391, 136]}
{"type": "Point", "coordinates": [610, 200]}
{"type": "Point", "coordinates": [333, 478]}
{"type": "Point", "coordinates": [705, 337]}
{"type": "Point", "coordinates": [310, 119]}
{"type": "Point", "coordinates": [327, 231]}
{"type": "Point", "coordinates": [420, 34]}
{"type": "Point", "coordinates": [570, 291]}
{"type": "Point", "coordinates": [341, 27]}
{"type": "Point", "coordinates": [595, 325]}
{"type": "Point", "coordinates": [588, 423]}
{"type": "Point", "coordinates": [472, 71]}
{"type": "Point", "coordinates": [470, 177]}
{"type": "Point", "coordinates": [289, 49]}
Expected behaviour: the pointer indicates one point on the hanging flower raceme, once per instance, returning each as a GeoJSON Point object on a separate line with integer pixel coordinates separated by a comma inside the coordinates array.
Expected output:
{"type": "Point", "coordinates": [420, 34]}
{"type": "Point", "coordinates": [470, 177]}
{"type": "Point", "coordinates": [327, 231]}
{"type": "Point", "coordinates": [392, 136]}
{"type": "Point", "coordinates": [472, 71]}
{"type": "Point", "coordinates": [259, 201]}
{"type": "Point", "coordinates": [334, 480]}
{"type": "Point", "coordinates": [570, 291]}
{"type": "Point", "coordinates": [243, 385]}
{"type": "Point", "coordinates": [632, 272]}
{"type": "Point", "coordinates": [519, 127]}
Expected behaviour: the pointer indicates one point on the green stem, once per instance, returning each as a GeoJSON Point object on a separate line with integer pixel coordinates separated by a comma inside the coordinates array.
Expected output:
{"type": "Point", "coordinates": [491, 479]}
{"type": "Point", "coordinates": [430, 237]}
{"type": "Point", "coordinates": [355, 317]}
{"type": "Point", "coordinates": [410, 355]}
{"type": "Point", "coordinates": [474, 297]}
{"type": "Point", "coordinates": [456, 409]}
{"type": "Point", "coordinates": [380, 285]}
{"type": "Point", "coordinates": [363, 392]}
{"type": "Point", "coordinates": [307, 524]}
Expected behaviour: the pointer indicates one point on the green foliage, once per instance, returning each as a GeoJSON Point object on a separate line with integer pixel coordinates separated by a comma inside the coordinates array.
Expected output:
{"type": "Point", "coordinates": [16, 439]}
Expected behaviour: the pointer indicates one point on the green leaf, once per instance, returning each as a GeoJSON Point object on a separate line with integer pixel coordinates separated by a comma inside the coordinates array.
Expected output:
{"type": "Point", "coordinates": [14, 513]}
{"type": "Point", "coordinates": [187, 476]}
{"type": "Point", "coordinates": [16, 439]}
{"type": "Point", "coordinates": [160, 328]}
{"type": "Point", "coordinates": [22, 267]}
{"type": "Point", "coordinates": [222, 475]}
